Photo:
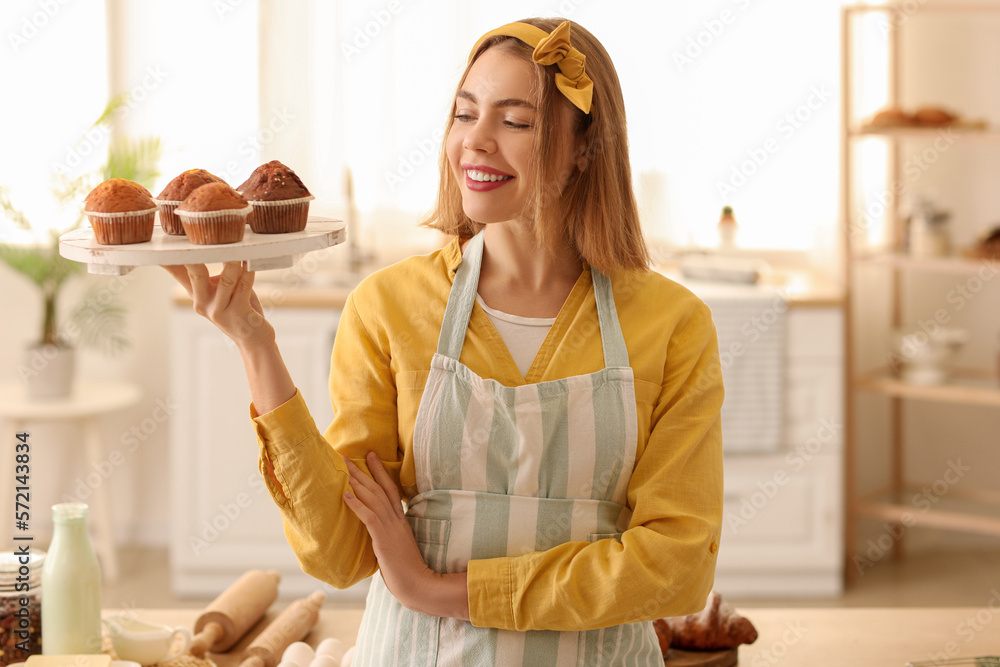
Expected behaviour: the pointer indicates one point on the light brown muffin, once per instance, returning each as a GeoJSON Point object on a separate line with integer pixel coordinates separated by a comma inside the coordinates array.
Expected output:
{"type": "Point", "coordinates": [120, 212]}
{"type": "Point", "coordinates": [214, 213]}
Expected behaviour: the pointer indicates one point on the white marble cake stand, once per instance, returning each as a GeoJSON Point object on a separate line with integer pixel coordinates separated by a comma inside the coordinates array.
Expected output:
{"type": "Point", "coordinates": [259, 252]}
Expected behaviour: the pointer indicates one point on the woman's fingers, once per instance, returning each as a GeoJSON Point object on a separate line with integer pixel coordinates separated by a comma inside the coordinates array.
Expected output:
{"type": "Point", "coordinates": [379, 496]}
{"type": "Point", "coordinates": [244, 287]}
{"type": "Point", "coordinates": [365, 488]}
{"type": "Point", "coordinates": [200, 286]}
{"type": "Point", "coordinates": [385, 481]}
{"type": "Point", "coordinates": [180, 274]}
{"type": "Point", "coordinates": [225, 288]}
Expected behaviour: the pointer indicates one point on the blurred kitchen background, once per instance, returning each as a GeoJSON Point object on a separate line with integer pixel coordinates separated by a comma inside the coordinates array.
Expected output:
{"type": "Point", "coordinates": [843, 486]}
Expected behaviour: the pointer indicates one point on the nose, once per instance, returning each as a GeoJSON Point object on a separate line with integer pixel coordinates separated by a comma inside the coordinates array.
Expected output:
{"type": "Point", "coordinates": [478, 138]}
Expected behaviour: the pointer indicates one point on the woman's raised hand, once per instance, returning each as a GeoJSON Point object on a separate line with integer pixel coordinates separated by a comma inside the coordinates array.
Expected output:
{"type": "Point", "coordinates": [227, 300]}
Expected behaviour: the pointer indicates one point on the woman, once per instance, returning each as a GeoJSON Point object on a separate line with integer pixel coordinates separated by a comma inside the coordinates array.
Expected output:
{"type": "Point", "coordinates": [547, 407]}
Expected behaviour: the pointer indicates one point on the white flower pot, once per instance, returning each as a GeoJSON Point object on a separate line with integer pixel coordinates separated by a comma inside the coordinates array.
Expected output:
{"type": "Point", "coordinates": [47, 371]}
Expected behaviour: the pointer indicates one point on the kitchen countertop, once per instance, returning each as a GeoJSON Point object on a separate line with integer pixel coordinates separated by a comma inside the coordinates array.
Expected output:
{"type": "Point", "coordinates": [801, 288]}
{"type": "Point", "coordinates": [798, 637]}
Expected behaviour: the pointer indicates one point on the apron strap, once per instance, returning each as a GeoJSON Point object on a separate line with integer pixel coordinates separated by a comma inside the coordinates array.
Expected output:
{"type": "Point", "coordinates": [463, 297]}
{"type": "Point", "coordinates": [615, 350]}
{"type": "Point", "coordinates": [461, 300]}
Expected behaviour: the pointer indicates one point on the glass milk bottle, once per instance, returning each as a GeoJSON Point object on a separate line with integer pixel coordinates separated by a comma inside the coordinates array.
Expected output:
{"type": "Point", "coordinates": [71, 586]}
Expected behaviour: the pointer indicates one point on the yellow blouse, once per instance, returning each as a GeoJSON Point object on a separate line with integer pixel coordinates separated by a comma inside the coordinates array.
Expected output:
{"type": "Point", "coordinates": [665, 562]}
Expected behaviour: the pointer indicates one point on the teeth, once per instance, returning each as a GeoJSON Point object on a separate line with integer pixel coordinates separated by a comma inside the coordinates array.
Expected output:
{"type": "Point", "coordinates": [483, 177]}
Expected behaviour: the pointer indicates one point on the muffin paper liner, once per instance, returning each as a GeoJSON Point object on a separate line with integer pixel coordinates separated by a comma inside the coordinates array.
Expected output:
{"type": "Point", "coordinates": [280, 216]}
{"type": "Point", "coordinates": [211, 227]}
{"type": "Point", "coordinates": [169, 221]}
{"type": "Point", "coordinates": [122, 227]}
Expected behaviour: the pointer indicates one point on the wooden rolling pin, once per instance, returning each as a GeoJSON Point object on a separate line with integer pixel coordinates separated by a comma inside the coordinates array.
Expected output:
{"type": "Point", "coordinates": [234, 612]}
{"type": "Point", "coordinates": [291, 625]}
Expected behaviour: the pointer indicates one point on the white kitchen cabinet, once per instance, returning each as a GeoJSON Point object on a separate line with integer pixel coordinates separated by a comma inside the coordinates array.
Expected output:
{"type": "Point", "coordinates": [223, 521]}
{"type": "Point", "coordinates": [782, 516]}
{"type": "Point", "coordinates": [783, 511]}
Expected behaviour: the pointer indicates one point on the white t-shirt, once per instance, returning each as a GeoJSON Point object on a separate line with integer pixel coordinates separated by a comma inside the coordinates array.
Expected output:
{"type": "Point", "coordinates": [523, 336]}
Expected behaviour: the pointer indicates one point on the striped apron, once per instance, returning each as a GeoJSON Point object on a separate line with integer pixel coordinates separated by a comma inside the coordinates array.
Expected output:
{"type": "Point", "coordinates": [504, 471]}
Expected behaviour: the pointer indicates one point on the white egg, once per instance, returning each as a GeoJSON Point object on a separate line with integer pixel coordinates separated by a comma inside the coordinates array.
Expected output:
{"type": "Point", "coordinates": [325, 661]}
{"type": "Point", "coordinates": [332, 647]}
{"type": "Point", "coordinates": [348, 658]}
{"type": "Point", "coordinates": [289, 663]}
{"type": "Point", "coordinates": [299, 652]}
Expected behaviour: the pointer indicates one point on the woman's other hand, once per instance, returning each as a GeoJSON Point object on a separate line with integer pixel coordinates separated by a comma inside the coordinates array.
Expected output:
{"type": "Point", "coordinates": [377, 503]}
{"type": "Point", "coordinates": [227, 300]}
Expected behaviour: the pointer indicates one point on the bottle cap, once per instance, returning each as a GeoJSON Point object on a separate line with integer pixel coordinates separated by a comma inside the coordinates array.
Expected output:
{"type": "Point", "coordinates": [69, 511]}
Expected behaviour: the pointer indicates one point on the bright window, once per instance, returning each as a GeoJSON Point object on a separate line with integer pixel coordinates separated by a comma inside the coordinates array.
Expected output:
{"type": "Point", "coordinates": [54, 72]}
{"type": "Point", "coordinates": [729, 101]}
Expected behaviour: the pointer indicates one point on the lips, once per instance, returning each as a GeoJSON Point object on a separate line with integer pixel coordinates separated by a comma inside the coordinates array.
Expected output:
{"type": "Point", "coordinates": [480, 178]}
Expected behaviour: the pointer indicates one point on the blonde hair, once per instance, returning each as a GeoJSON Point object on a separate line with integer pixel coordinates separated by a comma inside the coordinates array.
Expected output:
{"type": "Point", "coordinates": [596, 212]}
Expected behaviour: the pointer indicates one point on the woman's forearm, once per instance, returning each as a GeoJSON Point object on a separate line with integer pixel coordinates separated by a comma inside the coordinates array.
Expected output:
{"type": "Point", "coordinates": [268, 377]}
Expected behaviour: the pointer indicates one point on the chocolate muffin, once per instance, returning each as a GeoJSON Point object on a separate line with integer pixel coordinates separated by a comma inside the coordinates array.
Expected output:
{"type": "Point", "coordinates": [279, 198]}
{"type": "Point", "coordinates": [175, 192]}
{"type": "Point", "coordinates": [120, 212]}
{"type": "Point", "coordinates": [213, 213]}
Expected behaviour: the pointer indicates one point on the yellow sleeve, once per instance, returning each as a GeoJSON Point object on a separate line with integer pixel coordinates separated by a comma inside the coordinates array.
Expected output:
{"type": "Point", "coordinates": [328, 539]}
{"type": "Point", "coordinates": [664, 564]}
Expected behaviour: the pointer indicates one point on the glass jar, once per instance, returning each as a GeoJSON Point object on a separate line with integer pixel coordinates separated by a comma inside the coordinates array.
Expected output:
{"type": "Point", "coordinates": [20, 605]}
{"type": "Point", "coordinates": [930, 233]}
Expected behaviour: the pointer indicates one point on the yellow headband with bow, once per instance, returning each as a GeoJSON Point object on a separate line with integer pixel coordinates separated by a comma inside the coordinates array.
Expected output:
{"type": "Point", "coordinates": [553, 49]}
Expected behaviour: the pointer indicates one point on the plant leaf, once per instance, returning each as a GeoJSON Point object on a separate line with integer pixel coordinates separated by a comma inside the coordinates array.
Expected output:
{"type": "Point", "coordinates": [99, 322]}
{"type": "Point", "coordinates": [113, 105]}
{"type": "Point", "coordinates": [15, 215]}
{"type": "Point", "coordinates": [134, 159]}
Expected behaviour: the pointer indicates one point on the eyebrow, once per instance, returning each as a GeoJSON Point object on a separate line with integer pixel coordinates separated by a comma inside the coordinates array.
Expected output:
{"type": "Point", "coordinates": [502, 104]}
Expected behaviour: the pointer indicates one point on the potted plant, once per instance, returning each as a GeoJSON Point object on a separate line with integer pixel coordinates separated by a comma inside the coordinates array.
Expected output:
{"type": "Point", "coordinates": [98, 320]}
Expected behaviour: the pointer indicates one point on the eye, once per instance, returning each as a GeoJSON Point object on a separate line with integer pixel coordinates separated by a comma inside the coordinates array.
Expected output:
{"type": "Point", "coordinates": [516, 125]}
{"type": "Point", "coordinates": [463, 116]}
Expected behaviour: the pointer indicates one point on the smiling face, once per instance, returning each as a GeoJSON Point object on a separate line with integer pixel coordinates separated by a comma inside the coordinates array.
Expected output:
{"type": "Point", "coordinates": [491, 141]}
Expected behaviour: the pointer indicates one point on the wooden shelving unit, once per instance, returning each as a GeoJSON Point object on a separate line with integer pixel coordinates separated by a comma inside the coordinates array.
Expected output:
{"type": "Point", "coordinates": [964, 509]}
